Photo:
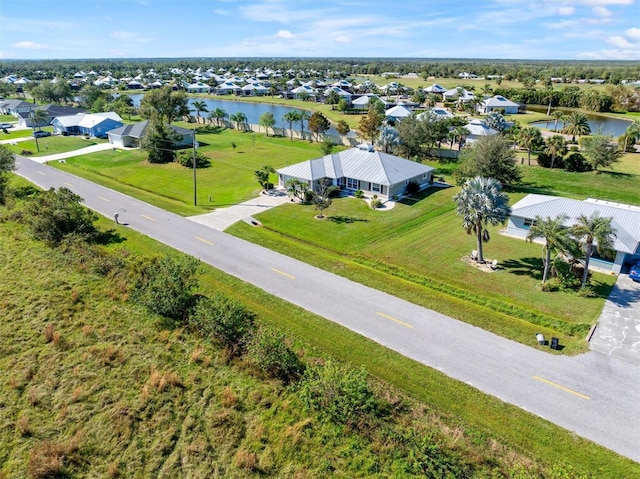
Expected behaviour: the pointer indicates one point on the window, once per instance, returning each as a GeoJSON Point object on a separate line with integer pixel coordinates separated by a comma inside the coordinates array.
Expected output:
{"type": "Point", "coordinates": [375, 187]}
{"type": "Point", "coordinates": [528, 223]}
{"type": "Point", "coordinates": [352, 184]}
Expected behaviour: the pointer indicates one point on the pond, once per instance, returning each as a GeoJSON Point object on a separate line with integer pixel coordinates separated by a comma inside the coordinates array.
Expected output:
{"type": "Point", "coordinates": [253, 111]}
{"type": "Point", "coordinates": [597, 123]}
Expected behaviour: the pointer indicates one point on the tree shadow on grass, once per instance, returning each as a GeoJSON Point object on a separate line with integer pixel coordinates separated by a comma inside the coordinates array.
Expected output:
{"type": "Point", "coordinates": [210, 129]}
{"type": "Point", "coordinates": [107, 237]}
{"type": "Point", "coordinates": [346, 219]}
{"type": "Point", "coordinates": [411, 200]}
{"type": "Point", "coordinates": [529, 266]}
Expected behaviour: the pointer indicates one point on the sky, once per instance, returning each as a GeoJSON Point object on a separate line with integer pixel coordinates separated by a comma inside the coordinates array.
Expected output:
{"type": "Point", "coordinates": [505, 29]}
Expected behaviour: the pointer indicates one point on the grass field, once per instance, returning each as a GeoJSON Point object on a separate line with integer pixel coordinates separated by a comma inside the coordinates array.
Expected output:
{"type": "Point", "coordinates": [50, 145]}
{"type": "Point", "coordinates": [11, 134]}
{"type": "Point", "coordinates": [229, 180]}
{"type": "Point", "coordinates": [87, 373]}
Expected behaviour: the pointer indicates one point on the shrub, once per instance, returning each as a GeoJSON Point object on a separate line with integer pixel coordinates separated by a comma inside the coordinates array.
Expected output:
{"type": "Point", "coordinates": [359, 194]}
{"type": "Point", "coordinates": [577, 162]}
{"type": "Point", "coordinates": [375, 202]}
{"type": "Point", "coordinates": [165, 286]}
{"type": "Point", "coordinates": [224, 321]}
{"type": "Point", "coordinates": [185, 158]}
{"type": "Point", "coordinates": [269, 352]}
{"type": "Point", "coordinates": [339, 394]}
{"type": "Point", "coordinates": [544, 160]}
{"type": "Point", "coordinates": [26, 152]}
{"type": "Point", "coordinates": [413, 187]}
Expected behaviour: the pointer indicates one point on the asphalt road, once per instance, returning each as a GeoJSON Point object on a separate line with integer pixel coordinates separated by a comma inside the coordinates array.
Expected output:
{"type": "Point", "coordinates": [594, 395]}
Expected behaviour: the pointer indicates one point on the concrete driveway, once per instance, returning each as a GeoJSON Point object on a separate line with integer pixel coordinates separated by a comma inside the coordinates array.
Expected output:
{"type": "Point", "coordinates": [618, 330]}
{"type": "Point", "coordinates": [222, 218]}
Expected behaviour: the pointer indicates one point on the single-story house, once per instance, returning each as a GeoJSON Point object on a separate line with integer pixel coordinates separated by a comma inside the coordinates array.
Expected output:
{"type": "Point", "coordinates": [342, 93]}
{"type": "Point", "coordinates": [360, 168]}
{"type": "Point", "coordinates": [254, 89]}
{"type": "Point", "coordinates": [437, 113]}
{"type": "Point", "coordinates": [459, 94]}
{"type": "Point", "coordinates": [135, 85]}
{"type": "Point", "coordinates": [198, 87]}
{"type": "Point", "coordinates": [14, 107]}
{"type": "Point", "coordinates": [228, 88]}
{"type": "Point", "coordinates": [129, 136]}
{"type": "Point", "coordinates": [625, 221]}
{"type": "Point", "coordinates": [498, 103]}
{"type": "Point", "coordinates": [362, 102]}
{"type": "Point", "coordinates": [435, 88]}
{"type": "Point", "coordinates": [398, 112]}
{"type": "Point", "coordinates": [304, 91]}
{"type": "Point", "coordinates": [52, 111]}
{"type": "Point", "coordinates": [477, 129]}
{"type": "Point", "coordinates": [93, 124]}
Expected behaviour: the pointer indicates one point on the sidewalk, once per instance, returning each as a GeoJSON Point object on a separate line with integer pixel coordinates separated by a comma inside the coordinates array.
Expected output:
{"type": "Point", "coordinates": [69, 154]}
{"type": "Point", "coordinates": [222, 218]}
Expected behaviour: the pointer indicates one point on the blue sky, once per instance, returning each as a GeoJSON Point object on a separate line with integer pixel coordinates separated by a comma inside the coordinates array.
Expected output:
{"type": "Point", "coordinates": [518, 29]}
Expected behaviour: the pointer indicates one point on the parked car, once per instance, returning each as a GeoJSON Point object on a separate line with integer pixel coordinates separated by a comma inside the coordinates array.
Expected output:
{"type": "Point", "coordinates": [5, 125]}
{"type": "Point", "coordinates": [40, 134]}
{"type": "Point", "coordinates": [634, 272]}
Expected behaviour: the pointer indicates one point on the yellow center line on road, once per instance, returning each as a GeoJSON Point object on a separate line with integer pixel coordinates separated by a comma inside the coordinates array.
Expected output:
{"type": "Point", "coordinates": [68, 184]}
{"type": "Point", "coordinates": [570, 391]}
{"type": "Point", "coordinates": [394, 319]}
{"type": "Point", "coordinates": [103, 199]}
{"type": "Point", "coordinates": [204, 240]}
{"type": "Point", "coordinates": [283, 273]}
{"type": "Point", "coordinates": [148, 217]}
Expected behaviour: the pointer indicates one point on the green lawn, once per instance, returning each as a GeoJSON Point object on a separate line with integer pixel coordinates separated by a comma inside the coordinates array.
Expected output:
{"type": "Point", "coordinates": [7, 119]}
{"type": "Point", "coordinates": [11, 134]}
{"type": "Point", "coordinates": [95, 383]}
{"type": "Point", "coordinates": [229, 180]}
{"type": "Point", "coordinates": [50, 145]}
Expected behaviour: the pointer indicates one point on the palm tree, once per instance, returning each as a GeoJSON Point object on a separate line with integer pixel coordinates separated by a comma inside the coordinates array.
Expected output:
{"type": "Point", "coordinates": [461, 133]}
{"type": "Point", "coordinates": [239, 118]}
{"type": "Point", "coordinates": [529, 138]}
{"type": "Point", "coordinates": [291, 117]}
{"type": "Point", "coordinates": [38, 117]}
{"type": "Point", "coordinates": [481, 202]}
{"type": "Point", "coordinates": [595, 234]}
{"type": "Point", "coordinates": [304, 116]}
{"type": "Point", "coordinates": [576, 123]}
{"type": "Point", "coordinates": [555, 235]}
{"type": "Point", "coordinates": [198, 106]}
{"type": "Point", "coordinates": [557, 115]}
{"type": "Point", "coordinates": [389, 138]}
{"type": "Point", "coordinates": [219, 115]}
{"type": "Point", "coordinates": [556, 146]}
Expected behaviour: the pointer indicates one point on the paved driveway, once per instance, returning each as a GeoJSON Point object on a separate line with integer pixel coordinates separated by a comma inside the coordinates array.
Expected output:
{"type": "Point", "coordinates": [222, 218]}
{"type": "Point", "coordinates": [618, 331]}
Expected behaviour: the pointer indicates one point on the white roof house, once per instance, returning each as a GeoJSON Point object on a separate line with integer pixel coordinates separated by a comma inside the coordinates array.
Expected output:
{"type": "Point", "coordinates": [361, 168]}
{"type": "Point", "coordinates": [436, 112]}
{"type": "Point", "coordinates": [625, 221]}
{"type": "Point", "coordinates": [398, 112]}
{"type": "Point", "coordinates": [435, 88]}
{"type": "Point", "coordinates": [498, 103]}
{"type": "Point", "coordinates": [477, 129]}
{"type": "Point", "coordinates": [459, 94]}
{"type": "Point", "coordinates": [93, 124]}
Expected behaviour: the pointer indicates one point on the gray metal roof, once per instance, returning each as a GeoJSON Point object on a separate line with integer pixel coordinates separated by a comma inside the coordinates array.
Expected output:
{"type": "Point", "coordinates": [360, 164]}
{"type": "Point", "coordinates": [625, 218]}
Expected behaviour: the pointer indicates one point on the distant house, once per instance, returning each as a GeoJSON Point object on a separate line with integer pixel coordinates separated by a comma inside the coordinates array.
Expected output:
{"type": "Point", "coordinates": [397, 113]}
{"type": "Point", "coordinates": [93, 124]}
{"type": "Point", "coordinates": [477, 129]}
{"type": "Point", "coordinates": [129, 136]}
{"type": "Point", "coordinates": [14, 107]}
{"type": "Point", "coordinates": [304, 92]}
{"type": "Point", "coordinates": [435, 88]}
{"type": "Point", "coordinates": [459, 94]}
{"type": "Point", "coordinates": [254, 89]}
{"type": "Point", "coordinates": [198, 87]}
{"type": "Point", "coordinates": [625, 220]}
{"type": "Point", "coordinates": [228, 88]}
{"type": "Point", "coordinates": [134, 85]}
{"type": "Point", "coordinates": [362, 102]}
{"type": "Point", "coordinates": [360, 168]}
{"type": "Point", "coordinates": [436, 112]}
{"type": "Point", "coordinates": [52, 111]}
{"type": "Point", "coordinates": [500, 104]}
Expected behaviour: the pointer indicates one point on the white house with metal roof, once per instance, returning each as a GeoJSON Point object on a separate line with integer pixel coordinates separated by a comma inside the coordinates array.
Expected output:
{"type": "Point", "coordinates": [500, 104]}
{"type": "Point", "coordinates": [625, 221]}
{"type": "Point", "coordinates": [360, 168]}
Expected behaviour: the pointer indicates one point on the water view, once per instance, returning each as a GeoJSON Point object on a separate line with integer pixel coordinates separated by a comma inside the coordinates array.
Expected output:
{"type": "Point", "coordinates": [598, 123]}
{"type": "Point", "coordinates": [251, 110]}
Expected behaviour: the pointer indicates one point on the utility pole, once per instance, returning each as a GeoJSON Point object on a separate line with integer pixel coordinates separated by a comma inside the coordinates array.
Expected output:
{"type": "Point", "coordinates": [195, 197]}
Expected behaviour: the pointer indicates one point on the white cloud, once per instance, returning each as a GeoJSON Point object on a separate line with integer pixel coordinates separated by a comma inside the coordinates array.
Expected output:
{"type": "Point", "coordinates": [566, 10]}
{"type": "Point", "coordinates": [129, 36]}
{"type": "Point", "coordinates": [598, 3]}
{"type": "Point", "coordinates": [343, 39]}
{"type": "Point", "coordinates": [224, 13]}
{"type": "Point", "coordinates": [30, 45]}
{"type": "Point", "coordinates": [633, 34]}
{"type": "Point", "coordinates": [619, 42]}
{"type": "Point", "coordinates": [284, 34]}
{"type": "Point", "coordinates": [601, 12]}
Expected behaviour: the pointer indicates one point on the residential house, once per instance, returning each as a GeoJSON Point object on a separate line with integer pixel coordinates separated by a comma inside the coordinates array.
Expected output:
{"type": "Point", "coordinates": [477, 129]}
{"type": "Point", "coordinates": [93, 124]}
{"type": "Point", "coordinates": [397, 113]}
{"type": "Point", "coordinates": [460, 94]}
{"type": "Point", "coordinates": [360, 168]}
{"type": "Point", "coordinates": [500, 104]}
{"type": "Point", "coordinates": [52, 111]}
{"type": "Point", "coordinates": [198, 87]}
{"type": "Point", "coordinates": [129, 136]}
{"type": "Point", "coordinates": [134, 85]}
{"type": "Point", "coordinates": [625, 221]}
{"type": "Point", "coordinates": [15, 107]}
{"type": "Point", "coordinates": [304, 92]}
{"type": "Point", "coordinates": [437, 113]}
{"type": "Point", "coordinates": [254, 89]}
{"type": "Point", "coordinates": [435, 88]}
